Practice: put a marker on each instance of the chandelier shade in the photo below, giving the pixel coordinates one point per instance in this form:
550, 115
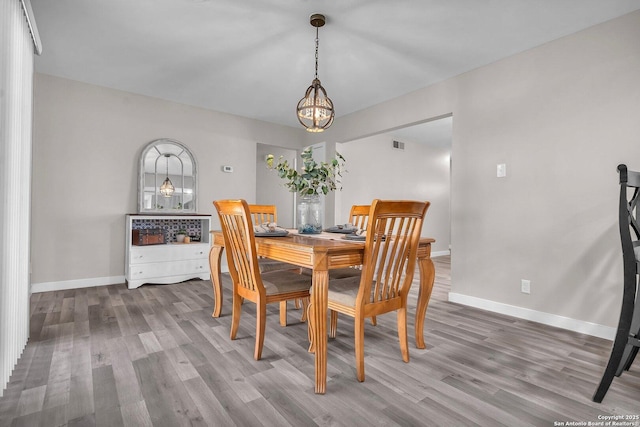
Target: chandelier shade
315, 110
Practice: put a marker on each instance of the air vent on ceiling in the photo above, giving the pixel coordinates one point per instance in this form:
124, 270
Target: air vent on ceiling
398, 145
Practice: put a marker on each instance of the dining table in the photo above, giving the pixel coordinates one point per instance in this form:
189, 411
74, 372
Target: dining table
321, 253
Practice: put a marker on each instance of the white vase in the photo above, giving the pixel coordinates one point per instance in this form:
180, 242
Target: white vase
309, 214
180, 238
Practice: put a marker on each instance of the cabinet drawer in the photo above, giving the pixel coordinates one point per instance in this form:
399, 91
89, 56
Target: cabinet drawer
162, 269
166, 253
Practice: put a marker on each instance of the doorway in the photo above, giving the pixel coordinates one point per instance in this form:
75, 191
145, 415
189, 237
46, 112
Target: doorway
413, 162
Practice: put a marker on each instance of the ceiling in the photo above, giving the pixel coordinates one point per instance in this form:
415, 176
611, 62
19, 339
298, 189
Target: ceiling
255, 58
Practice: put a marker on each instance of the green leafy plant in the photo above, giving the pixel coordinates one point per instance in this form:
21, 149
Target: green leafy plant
182, 231
314, 177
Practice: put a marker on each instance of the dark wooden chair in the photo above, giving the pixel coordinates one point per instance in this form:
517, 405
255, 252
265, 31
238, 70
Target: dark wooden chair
626, 343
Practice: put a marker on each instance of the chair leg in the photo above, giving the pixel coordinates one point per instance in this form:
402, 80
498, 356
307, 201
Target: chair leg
619, 345
261, 320
617, 350
297, 302
402, 334
374, 322
236, 310
333, 323
305, 305
359, 344
310, 314
631, 358
624, 360
632, 347
283, 313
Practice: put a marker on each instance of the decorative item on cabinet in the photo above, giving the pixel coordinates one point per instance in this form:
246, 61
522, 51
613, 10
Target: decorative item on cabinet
149, 236
181, 235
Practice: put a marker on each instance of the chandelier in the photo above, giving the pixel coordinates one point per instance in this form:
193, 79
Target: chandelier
167, 188
315, 110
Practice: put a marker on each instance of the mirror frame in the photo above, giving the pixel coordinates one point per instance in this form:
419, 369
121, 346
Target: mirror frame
141, 176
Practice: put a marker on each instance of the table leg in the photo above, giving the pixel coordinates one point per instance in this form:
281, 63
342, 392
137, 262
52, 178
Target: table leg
215, 254
318, 318
427, 277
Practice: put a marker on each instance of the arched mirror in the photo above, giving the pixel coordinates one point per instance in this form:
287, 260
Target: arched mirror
168, 178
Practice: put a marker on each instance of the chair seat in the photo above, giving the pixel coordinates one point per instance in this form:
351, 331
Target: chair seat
282, 282
344, 291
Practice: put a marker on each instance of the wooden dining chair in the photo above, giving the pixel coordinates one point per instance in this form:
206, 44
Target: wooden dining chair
248, 282
359, 216
262, 214
390, 252
265, 214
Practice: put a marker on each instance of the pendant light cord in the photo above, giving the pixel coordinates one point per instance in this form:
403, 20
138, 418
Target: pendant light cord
317, 42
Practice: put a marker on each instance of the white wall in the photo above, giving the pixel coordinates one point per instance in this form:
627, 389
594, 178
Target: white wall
419, 172
562, 117
87, 143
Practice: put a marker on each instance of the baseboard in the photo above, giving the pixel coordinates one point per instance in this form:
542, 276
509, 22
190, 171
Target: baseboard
562, 322
440, 253
76, 284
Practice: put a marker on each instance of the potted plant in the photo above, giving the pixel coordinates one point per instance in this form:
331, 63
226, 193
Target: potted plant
313, 180
180, 235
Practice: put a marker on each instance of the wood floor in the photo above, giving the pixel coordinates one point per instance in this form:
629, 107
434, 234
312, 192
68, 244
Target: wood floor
110, 356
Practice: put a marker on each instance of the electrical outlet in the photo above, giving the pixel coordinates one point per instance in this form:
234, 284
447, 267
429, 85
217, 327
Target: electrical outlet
525, 286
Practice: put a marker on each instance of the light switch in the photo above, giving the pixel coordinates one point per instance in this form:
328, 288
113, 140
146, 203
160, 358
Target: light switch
501, 170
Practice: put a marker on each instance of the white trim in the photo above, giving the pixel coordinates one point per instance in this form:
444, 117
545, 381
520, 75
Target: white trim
440, 253
76, 284
562, 322
33, 29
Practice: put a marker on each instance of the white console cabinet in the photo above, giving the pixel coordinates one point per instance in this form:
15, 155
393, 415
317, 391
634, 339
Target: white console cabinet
171, 262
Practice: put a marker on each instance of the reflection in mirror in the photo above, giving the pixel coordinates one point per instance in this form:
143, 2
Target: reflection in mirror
167, 181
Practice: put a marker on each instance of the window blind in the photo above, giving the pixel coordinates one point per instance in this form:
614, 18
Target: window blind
18, 43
